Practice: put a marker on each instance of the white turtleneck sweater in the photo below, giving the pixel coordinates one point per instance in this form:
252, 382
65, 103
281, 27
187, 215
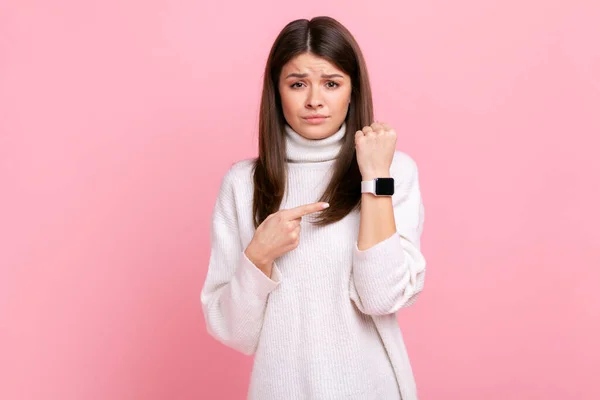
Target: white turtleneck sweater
323, 326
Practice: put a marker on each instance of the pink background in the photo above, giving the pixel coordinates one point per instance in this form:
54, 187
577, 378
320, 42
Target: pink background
118, 120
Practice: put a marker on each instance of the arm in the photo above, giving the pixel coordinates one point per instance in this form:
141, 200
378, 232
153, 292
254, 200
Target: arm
235, 292
388, 269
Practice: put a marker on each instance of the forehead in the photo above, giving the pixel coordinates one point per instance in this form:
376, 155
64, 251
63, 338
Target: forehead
308, 63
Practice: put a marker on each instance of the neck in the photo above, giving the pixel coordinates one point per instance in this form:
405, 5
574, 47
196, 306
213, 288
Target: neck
302, 150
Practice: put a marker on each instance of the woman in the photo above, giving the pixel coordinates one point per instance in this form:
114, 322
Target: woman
318, 308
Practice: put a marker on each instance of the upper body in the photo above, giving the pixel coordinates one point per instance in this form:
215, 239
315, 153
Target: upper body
313, 292
313, 324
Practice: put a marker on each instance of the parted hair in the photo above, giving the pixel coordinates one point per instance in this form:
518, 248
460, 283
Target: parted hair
327, 38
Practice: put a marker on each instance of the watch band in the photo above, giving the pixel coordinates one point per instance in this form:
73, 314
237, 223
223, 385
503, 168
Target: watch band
367, 186
378, 186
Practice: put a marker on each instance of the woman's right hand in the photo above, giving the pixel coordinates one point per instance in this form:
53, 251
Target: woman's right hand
278, 234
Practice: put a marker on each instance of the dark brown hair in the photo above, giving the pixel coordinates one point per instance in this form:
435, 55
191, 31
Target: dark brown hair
327, 38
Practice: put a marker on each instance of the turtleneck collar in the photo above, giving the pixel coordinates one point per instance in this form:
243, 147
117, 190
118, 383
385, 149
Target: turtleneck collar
302, 150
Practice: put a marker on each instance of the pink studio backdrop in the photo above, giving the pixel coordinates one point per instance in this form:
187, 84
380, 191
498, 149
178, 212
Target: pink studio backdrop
119, 119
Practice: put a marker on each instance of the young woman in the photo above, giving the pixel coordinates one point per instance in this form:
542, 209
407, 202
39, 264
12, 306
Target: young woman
311, 291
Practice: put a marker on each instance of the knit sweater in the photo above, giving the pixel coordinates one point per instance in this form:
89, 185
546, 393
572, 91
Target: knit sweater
323, 325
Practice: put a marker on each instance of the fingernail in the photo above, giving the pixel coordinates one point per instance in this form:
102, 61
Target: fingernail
325, 205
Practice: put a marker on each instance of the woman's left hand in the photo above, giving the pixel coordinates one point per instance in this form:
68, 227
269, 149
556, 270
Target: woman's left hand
375, 147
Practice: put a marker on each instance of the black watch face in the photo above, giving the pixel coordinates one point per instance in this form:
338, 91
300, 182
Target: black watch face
384, 186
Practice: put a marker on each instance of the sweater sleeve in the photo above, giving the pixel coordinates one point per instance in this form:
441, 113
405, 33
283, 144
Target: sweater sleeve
235, 292
391, 274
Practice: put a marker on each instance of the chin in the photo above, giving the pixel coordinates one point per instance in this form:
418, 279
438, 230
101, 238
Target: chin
313, 132
319, 131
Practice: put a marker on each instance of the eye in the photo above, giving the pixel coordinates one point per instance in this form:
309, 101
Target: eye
293, 85
332, 84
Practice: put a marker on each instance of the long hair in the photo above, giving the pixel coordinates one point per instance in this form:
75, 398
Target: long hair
327, 38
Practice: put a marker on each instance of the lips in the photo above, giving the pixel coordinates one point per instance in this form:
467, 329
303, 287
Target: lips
315, 120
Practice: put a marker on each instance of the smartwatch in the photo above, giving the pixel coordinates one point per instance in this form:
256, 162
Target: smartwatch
378, 186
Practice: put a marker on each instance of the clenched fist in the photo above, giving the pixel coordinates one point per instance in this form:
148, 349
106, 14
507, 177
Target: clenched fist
375, 147
278, 234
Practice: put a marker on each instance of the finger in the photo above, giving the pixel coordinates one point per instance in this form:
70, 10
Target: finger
367, 129
375, 124
377, 127
387, 127
300, 211
358, 135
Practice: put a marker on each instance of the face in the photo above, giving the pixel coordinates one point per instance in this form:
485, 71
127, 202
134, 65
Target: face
315, 95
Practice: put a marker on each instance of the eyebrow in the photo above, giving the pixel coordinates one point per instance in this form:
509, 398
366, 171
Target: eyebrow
297, 75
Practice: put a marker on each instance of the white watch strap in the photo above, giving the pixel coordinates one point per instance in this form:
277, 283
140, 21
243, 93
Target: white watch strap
367, 186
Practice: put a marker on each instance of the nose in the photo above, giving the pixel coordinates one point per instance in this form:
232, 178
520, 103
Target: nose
314, 100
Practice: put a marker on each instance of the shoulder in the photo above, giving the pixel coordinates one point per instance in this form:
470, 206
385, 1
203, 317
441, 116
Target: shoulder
404, 167
240, 171
236, 182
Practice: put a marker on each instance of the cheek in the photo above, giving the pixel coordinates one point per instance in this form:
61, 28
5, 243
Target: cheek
290, 101
340, 102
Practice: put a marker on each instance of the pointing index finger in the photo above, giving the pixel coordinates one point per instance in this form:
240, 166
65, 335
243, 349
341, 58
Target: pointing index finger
300, 211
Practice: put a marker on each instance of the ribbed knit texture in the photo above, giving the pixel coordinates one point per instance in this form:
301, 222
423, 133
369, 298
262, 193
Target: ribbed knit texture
323, 326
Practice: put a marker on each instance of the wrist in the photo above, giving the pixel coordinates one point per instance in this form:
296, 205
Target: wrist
370, 175
256, 258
